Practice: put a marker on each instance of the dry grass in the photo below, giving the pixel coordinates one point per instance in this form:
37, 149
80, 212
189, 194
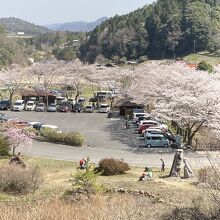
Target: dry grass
98, 207
47, 202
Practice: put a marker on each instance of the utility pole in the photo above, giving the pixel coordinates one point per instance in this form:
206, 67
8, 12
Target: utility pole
194, 46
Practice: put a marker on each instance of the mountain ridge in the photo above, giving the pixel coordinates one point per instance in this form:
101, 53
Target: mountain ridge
76, 26
12, 24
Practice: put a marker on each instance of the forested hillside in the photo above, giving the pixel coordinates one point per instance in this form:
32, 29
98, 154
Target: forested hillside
11, 50
165, 28
17, 25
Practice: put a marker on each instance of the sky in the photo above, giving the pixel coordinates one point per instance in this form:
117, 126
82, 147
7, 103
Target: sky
59, 11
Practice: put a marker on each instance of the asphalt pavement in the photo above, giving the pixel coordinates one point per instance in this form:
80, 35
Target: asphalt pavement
105, 137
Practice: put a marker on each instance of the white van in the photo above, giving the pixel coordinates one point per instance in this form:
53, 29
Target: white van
18, 105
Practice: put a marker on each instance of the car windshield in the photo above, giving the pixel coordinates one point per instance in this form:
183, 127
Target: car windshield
30, 103
4, 102
103, 106
52, 105
88, 106
41, 105
18, 103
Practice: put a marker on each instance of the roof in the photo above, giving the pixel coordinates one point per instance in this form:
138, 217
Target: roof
129, 104
33, 93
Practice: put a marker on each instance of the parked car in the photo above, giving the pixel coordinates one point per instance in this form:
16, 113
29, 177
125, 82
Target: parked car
145, 126
89, 109
35, 125
147, 122
104, 108
40, 107
65, 107
152, 130
18, 122
3, 117
30, 106
5, 104
18, 105
137, 115
81, 100
156, 140
50, 127
52, 108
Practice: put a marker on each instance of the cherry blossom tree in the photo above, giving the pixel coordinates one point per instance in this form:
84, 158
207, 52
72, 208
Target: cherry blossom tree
18, 138
186, 96
12, 79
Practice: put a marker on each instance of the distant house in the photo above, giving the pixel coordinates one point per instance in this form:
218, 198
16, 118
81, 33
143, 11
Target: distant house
20, 33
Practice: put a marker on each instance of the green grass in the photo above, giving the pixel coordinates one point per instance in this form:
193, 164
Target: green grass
211, 58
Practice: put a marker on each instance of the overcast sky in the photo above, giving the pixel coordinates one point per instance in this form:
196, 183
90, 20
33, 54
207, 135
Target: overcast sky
58, 11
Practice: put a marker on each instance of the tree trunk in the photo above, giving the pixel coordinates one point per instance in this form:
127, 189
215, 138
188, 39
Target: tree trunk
76, 97
13, 151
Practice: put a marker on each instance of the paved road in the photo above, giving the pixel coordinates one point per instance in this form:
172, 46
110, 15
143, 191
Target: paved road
104, 138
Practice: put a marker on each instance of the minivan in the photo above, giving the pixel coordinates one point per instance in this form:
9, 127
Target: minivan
18, 105
156, 140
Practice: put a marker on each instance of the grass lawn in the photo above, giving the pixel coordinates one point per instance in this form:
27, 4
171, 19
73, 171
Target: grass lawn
209, 57
57, 175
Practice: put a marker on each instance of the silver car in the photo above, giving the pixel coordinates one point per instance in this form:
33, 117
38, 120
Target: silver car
52, 108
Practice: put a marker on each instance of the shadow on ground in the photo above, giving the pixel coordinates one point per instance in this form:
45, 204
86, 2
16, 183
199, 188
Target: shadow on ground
130, 137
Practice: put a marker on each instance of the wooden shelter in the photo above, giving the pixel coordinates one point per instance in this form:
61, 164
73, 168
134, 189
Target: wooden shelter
127, 108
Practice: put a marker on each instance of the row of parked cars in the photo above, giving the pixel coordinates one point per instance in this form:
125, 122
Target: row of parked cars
65, 106
154, 132
25, 124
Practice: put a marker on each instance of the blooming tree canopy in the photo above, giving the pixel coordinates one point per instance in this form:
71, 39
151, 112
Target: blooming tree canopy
18, 138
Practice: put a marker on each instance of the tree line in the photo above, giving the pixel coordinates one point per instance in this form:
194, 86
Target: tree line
160, 30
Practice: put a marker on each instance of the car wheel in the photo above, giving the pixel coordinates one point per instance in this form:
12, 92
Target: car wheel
166, 145
148, 146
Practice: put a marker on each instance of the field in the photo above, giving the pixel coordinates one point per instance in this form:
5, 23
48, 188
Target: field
208, 57
164, 195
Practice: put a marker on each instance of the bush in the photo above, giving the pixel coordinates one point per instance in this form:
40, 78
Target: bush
14, 179
70, 138
143, 59
203, 65
4, 146
210, 176
111, 166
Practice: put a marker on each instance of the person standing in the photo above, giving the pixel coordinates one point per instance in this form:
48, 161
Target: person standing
162, 165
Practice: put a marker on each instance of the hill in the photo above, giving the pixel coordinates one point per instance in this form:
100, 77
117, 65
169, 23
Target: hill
78, 26
163, 29
17, 25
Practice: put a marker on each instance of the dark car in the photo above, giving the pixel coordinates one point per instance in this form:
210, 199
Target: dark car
3, 117
5, 104
65, 107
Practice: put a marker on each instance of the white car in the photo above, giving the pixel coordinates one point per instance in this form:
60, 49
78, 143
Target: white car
89, 109
104, 108
30, 106
137, 115
18, 105
50, 127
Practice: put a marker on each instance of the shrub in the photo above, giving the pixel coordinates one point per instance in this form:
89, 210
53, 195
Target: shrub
14, 179
203, 65
210, 176
143, 59
70, 138
111, 166
4, 146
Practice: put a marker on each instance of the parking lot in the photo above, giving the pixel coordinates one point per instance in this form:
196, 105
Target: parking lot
104, 138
